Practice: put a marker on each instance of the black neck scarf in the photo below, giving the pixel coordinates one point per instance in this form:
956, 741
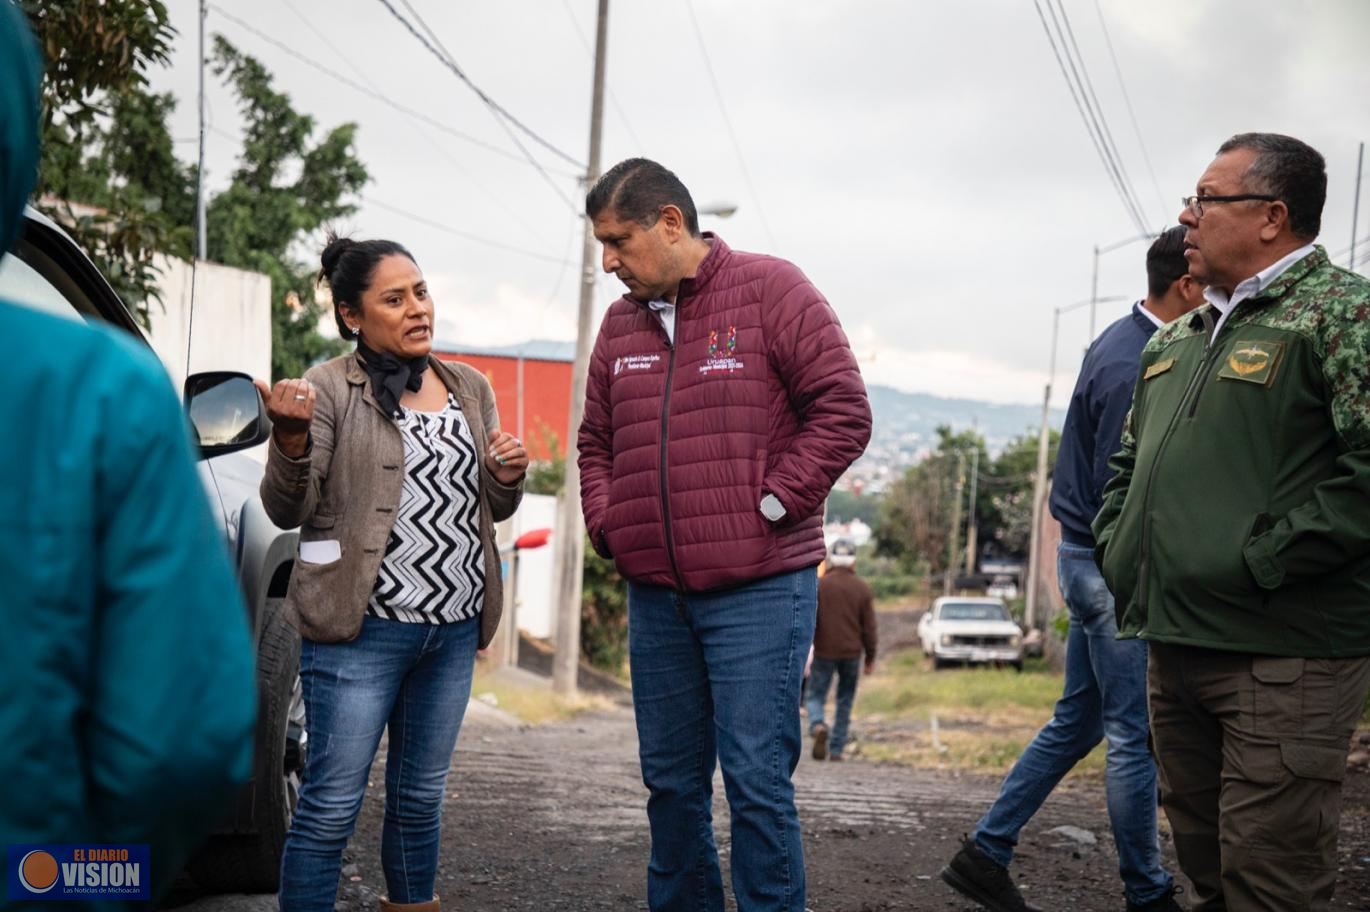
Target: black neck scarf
391, 375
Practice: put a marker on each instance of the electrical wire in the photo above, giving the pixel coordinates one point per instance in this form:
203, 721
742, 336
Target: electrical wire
732, 134
482, 186
613, 99
1102, 122
1080, 106
1132, 114
372, 93
502, 116
468, 235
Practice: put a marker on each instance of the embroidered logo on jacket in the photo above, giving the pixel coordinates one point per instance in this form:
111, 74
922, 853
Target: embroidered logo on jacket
1254, 362
721, 353
635, 362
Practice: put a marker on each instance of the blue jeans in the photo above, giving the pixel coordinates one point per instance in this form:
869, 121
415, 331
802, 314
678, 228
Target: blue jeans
716, 676
415, 679
848, 672
1105, 696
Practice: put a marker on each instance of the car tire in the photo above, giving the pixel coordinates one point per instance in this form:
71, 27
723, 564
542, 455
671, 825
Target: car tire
251, 863
938, 663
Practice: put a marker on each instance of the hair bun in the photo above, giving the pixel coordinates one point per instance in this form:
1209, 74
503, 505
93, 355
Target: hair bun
333, 251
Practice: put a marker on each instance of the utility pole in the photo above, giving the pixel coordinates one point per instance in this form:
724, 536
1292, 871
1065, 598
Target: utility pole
1355, 208
570, 567
954, 533
1039, 487
203, 245
973, 526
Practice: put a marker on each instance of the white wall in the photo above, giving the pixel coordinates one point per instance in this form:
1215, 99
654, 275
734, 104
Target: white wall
535, 596
232, 320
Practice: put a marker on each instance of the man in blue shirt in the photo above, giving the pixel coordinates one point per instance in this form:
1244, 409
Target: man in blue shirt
1105, 682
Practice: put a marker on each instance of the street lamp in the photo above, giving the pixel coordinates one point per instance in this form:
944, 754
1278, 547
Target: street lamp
1094, 282
1039, 483
719, 209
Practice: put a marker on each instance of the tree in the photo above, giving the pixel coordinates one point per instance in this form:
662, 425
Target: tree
98, 53
1009, 488
915, 515
254, 223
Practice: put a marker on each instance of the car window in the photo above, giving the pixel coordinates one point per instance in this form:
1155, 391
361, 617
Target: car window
22, 281
974, 611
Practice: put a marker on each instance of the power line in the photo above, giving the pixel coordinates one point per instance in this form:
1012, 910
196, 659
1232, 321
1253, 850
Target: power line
613, 99
504, 118
1109, 143
457, 163
1090, 125
431, 223
732, 134
468, 235
370, 92
1127, 100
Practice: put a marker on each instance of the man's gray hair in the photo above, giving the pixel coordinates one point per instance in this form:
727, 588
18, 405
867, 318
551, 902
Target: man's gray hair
1287, 168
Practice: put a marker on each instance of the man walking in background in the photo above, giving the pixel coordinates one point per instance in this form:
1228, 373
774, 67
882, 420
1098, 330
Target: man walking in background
722, 403
1237, 533
845, 630
1105, 681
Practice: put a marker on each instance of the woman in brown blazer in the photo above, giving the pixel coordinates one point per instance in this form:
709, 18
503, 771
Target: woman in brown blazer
393, 465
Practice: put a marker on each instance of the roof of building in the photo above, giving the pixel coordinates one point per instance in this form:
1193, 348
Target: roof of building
531, 350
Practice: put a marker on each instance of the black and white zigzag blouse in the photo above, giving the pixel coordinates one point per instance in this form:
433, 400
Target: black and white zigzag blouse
434, 571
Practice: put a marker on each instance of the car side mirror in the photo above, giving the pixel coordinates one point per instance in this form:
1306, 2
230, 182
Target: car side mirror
226, 412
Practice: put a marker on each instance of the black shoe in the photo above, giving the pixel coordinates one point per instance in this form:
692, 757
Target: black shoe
1166, 902
976, 876
820, 741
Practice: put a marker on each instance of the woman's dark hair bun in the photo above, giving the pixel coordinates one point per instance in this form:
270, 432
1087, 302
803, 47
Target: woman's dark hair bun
334, 248
347, 267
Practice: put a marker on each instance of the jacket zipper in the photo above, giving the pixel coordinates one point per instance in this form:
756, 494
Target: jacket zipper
1196, 384
665, 440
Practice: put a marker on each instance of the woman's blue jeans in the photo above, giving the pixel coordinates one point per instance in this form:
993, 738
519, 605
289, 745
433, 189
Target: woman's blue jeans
1104, 697
716, 679
414, 679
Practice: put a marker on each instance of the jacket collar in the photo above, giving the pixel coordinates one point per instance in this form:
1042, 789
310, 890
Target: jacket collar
708, 267
1276, 290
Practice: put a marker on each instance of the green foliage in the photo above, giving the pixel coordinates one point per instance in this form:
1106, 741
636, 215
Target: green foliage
603, 615
604, 595
105, 141
255, 221
547, 476
914, 516
845, 506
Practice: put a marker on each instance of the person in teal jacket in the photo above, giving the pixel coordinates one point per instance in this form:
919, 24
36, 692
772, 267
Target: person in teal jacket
125, 661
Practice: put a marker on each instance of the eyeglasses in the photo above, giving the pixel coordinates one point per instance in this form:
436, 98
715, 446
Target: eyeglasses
1195, 204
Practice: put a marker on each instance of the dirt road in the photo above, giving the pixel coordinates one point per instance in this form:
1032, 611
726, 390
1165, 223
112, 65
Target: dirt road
552, 819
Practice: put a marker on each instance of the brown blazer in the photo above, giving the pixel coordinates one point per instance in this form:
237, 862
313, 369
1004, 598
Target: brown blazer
346, 488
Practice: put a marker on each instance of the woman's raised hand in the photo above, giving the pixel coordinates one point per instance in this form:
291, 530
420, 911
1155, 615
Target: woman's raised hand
290, 405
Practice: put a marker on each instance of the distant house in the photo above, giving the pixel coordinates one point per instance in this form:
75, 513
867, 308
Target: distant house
532, 382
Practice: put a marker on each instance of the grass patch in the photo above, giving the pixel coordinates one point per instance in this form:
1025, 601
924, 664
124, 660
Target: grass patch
985, 716
533, 703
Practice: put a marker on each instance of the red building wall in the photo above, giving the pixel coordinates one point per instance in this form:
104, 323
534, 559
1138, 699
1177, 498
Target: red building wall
546, 397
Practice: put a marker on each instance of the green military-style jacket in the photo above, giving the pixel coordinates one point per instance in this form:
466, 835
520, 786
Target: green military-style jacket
1239, 515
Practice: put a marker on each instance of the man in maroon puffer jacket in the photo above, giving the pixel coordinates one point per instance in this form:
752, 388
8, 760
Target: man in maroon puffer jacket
723, 401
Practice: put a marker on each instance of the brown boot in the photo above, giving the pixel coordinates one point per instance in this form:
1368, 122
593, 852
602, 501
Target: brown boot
430, 906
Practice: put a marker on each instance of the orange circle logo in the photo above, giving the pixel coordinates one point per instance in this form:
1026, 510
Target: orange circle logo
38, 871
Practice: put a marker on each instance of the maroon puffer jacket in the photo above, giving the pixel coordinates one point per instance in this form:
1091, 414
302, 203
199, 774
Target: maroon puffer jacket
760, 394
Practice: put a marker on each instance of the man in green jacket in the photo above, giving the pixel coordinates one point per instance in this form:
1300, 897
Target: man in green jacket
1236, 533
125, 659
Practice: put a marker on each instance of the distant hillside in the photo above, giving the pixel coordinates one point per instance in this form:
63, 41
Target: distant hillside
906, 427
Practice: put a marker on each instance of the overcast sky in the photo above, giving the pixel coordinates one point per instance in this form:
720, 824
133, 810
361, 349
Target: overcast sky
924, 163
